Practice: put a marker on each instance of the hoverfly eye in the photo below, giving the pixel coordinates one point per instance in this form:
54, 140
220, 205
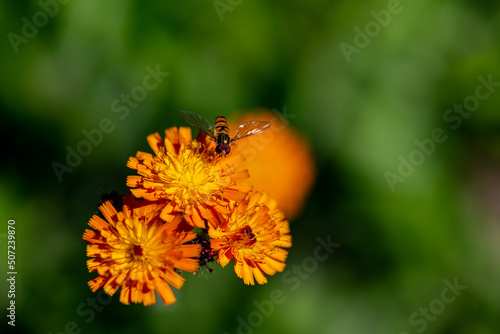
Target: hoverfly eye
223, 148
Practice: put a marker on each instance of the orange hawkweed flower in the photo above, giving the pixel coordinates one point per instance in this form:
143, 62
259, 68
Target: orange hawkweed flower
137, 251
189, 176
279, 161
254, 236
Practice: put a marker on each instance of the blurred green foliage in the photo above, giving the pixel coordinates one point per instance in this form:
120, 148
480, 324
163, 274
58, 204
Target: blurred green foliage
360, 113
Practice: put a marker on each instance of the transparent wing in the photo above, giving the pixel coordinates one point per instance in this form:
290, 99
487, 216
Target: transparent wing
250, 128
197, 121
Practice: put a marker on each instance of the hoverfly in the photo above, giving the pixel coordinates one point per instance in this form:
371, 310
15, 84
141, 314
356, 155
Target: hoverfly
221, 133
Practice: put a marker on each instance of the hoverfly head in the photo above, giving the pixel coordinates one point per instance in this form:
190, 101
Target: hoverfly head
223, 148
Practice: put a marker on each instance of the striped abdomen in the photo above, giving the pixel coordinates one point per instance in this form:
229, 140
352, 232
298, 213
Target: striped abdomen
221, 125
223, 141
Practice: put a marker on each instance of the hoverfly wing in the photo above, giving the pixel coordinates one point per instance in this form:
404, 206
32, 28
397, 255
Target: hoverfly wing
250, 128
197, 121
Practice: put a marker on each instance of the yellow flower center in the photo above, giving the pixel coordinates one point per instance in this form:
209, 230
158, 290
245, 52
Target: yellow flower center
188, 177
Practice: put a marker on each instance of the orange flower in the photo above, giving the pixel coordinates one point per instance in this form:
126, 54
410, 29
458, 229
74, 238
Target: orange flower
254, 235
279, 161
135, 250
189, 176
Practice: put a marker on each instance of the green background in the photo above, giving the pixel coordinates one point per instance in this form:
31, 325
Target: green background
361, 113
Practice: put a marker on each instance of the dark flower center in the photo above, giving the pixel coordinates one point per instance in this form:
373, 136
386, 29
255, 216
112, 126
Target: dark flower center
247, 235
137, 251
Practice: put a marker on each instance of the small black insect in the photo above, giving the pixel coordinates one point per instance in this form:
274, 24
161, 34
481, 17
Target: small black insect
207, 255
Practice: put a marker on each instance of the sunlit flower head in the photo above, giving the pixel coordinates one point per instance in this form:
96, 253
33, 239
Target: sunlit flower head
189, 176
135, 250
279, 160
254, 236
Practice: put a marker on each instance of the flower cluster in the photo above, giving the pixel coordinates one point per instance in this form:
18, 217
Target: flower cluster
189, 205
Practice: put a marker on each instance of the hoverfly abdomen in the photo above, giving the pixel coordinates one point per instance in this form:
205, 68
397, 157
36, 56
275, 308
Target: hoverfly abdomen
223, 140
221, 125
